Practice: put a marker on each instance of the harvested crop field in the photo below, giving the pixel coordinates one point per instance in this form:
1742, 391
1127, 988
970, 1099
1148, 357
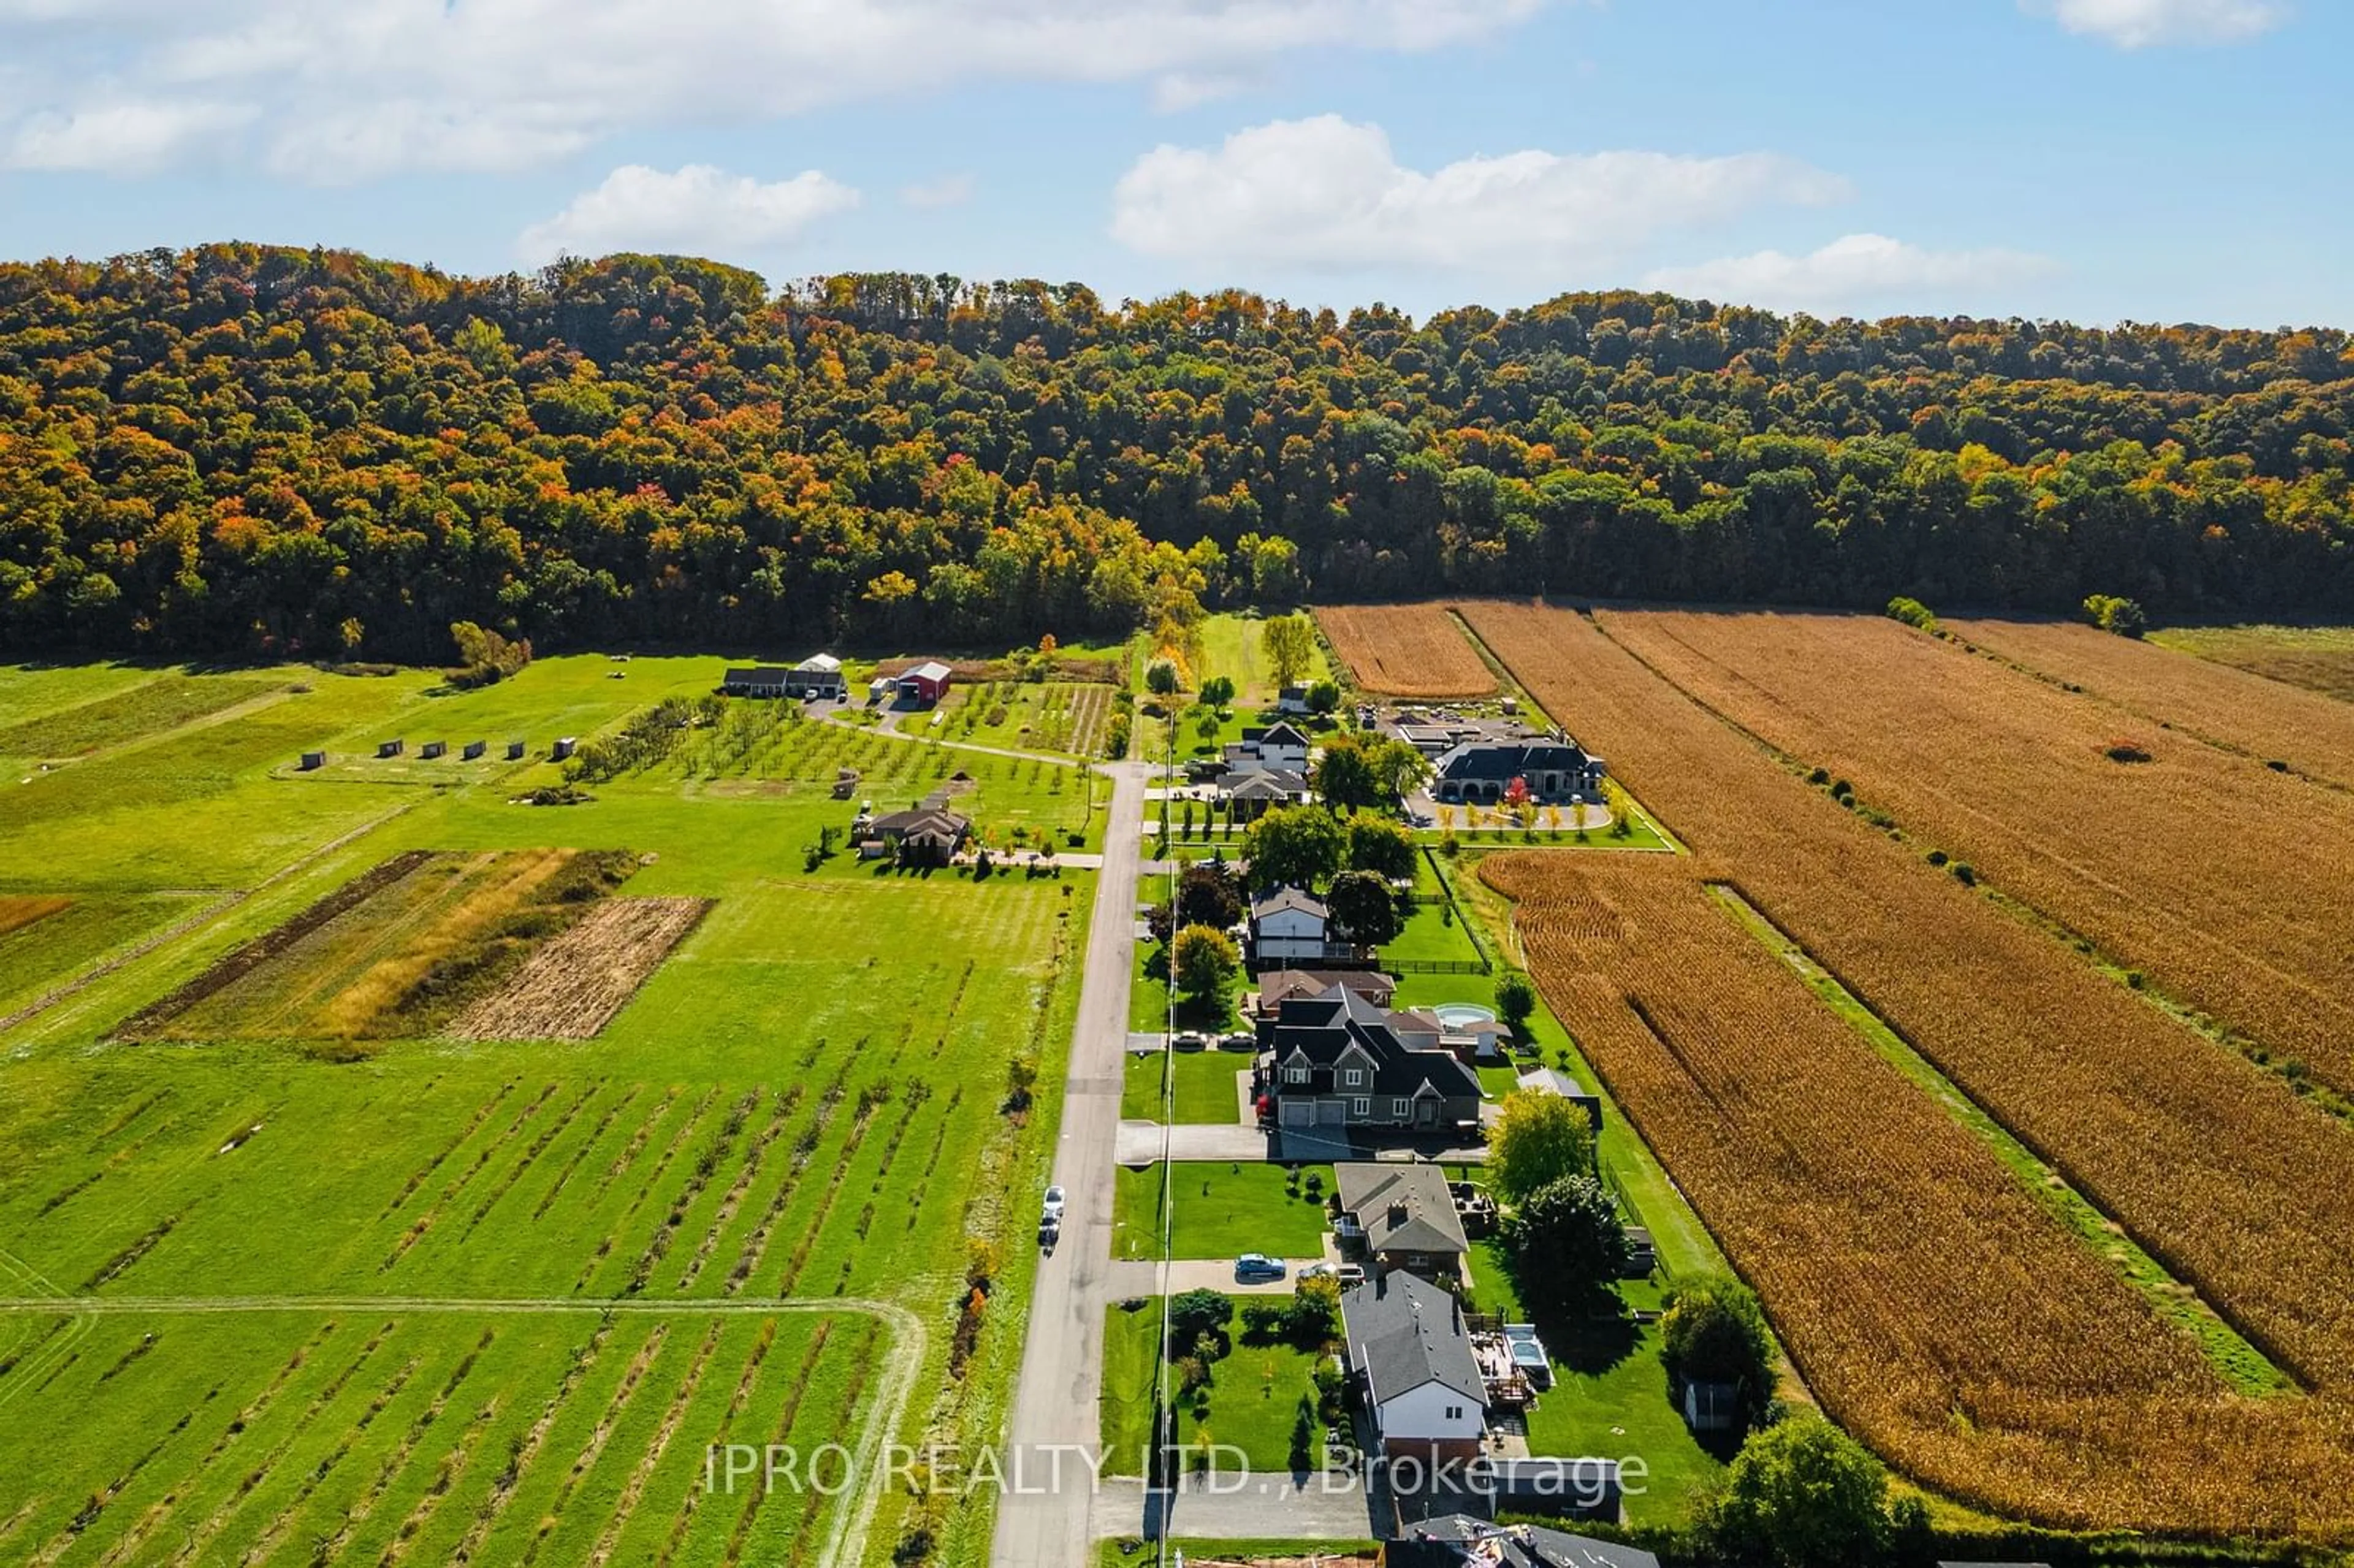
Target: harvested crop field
2263, 718
2222, 879
573, 986
1931, 1303
1400, 650
2212, 1164
393, 954
20, 910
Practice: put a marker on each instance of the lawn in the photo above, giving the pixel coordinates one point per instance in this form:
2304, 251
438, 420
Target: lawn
1433, 935
1148, 996
1610, 1397
1222, 1209
1255, 1395
1206, 1084
1230, 647
807, 1101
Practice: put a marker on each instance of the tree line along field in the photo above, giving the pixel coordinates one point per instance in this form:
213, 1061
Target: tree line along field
1928, 1300
2221, 877
1394, 652
2210, 1163
771, 1159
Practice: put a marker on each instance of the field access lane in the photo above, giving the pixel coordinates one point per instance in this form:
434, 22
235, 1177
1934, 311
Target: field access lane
1055, 1406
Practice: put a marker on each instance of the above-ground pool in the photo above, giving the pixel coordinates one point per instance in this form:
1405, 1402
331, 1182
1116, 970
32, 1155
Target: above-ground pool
1463, 1014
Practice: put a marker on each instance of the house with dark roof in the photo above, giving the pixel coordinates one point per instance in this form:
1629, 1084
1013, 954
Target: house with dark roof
755, 681
1410, 1356
1480, 772
928, 834
1334, 1062
1458, 1540
1252, 795
815, 678
1399, 1217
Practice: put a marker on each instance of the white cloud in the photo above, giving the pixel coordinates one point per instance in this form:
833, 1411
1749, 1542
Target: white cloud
949, 190
697, 209
2140, 24
123, 138
1328, 193
1857, 273
1181, 90
344, 91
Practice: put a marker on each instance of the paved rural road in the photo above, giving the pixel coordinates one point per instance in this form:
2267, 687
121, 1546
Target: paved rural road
1055, 1406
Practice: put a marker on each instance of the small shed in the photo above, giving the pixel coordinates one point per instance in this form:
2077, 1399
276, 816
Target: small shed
391, 747
434, 748
1712, 1407
926, 683
565, 746
314, 760
515, 751
475, 749
845, 783
1548, 1081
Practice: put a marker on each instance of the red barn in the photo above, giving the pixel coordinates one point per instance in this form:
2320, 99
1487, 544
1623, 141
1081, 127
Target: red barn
925, 684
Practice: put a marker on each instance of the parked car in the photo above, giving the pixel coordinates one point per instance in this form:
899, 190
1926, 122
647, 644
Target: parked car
1191, 1041
1258, 1266
1320, 1271
1051, 1215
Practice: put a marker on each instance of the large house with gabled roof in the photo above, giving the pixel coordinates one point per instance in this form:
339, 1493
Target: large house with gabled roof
1336, 1063
1554, 771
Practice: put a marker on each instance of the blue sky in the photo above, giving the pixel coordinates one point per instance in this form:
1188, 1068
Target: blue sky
2099, 160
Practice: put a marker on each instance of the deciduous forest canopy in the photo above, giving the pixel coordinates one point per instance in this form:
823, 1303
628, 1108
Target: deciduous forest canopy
238, 449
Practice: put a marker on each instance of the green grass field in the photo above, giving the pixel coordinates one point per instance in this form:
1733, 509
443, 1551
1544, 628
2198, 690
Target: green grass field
2319, 658
1254, 1396
1221, 1210
1204, 1085
1610, 1397
406, 1299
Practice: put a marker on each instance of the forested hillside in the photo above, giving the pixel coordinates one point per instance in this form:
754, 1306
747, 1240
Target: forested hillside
238, 449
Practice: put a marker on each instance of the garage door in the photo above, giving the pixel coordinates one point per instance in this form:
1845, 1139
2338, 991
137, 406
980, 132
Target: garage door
1296, 1113
1331, 1113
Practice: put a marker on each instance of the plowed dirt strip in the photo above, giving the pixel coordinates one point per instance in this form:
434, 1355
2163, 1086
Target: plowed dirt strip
2231, 884
2267, 719
1400, 650
2221, 1173
1934, 1308
571, 988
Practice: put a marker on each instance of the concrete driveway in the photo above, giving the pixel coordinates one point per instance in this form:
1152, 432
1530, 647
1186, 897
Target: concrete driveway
1322, 1505
1140, 1143
1180, 1275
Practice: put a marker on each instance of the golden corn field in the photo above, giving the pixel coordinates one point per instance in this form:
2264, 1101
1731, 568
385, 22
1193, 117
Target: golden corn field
2229, 885
2213, 1164
1398, 651
2241, 1189
2265, 719
1932, 1305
